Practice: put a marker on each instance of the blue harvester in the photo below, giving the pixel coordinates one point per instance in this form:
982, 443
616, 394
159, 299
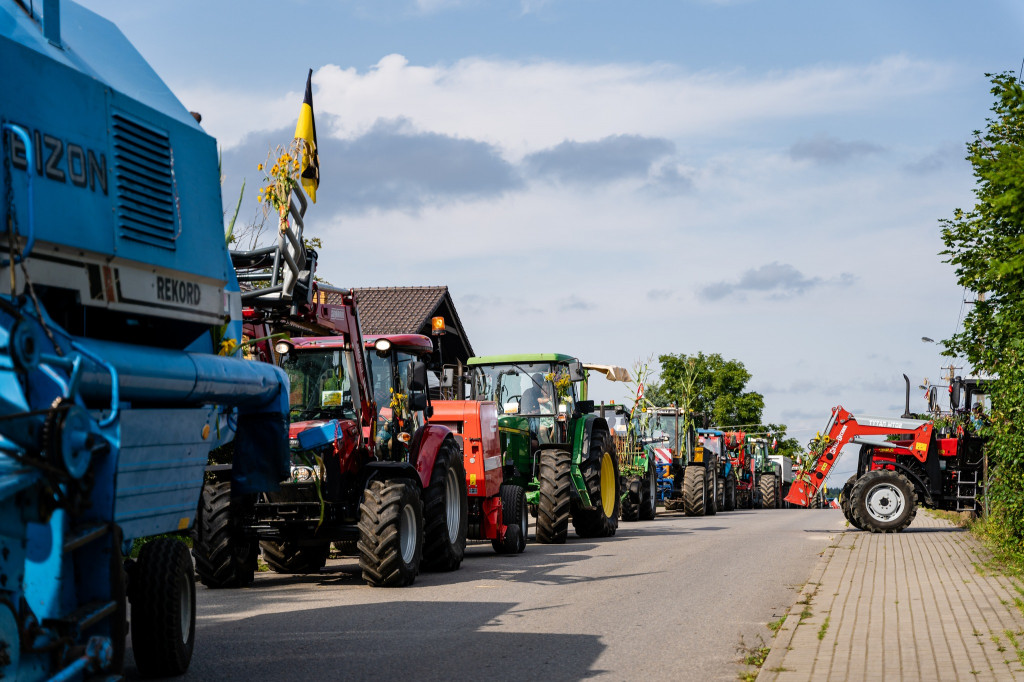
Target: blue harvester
120, 316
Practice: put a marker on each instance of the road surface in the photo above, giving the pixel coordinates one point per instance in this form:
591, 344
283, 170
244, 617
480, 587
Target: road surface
669, 599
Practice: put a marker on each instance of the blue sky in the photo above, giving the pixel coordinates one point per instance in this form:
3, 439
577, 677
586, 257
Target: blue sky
758, 178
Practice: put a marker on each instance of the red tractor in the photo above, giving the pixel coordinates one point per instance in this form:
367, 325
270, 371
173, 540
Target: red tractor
366, 466
497, 510
903, 462
743, 464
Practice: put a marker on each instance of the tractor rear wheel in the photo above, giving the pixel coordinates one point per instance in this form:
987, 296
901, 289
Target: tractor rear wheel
289, 557
515, 520
600, 471
162, 591
631, 507
346, 547
884, 501
445, 511
649, 505
694, 491
768, 490
390, 533
224, 557
554, 481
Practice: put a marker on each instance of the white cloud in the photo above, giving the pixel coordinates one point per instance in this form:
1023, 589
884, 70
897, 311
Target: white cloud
527, 106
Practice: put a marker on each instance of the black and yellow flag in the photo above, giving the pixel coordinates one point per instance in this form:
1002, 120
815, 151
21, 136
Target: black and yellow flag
306, 130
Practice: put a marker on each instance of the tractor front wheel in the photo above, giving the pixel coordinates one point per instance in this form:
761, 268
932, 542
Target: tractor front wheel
390, 533
845, 502
884, 501
694, 491
162, 591
224, 557
768, 490
730, 494
288, 557
445, 511
630, 506
553, 496
600, 471
515, 520
649, 505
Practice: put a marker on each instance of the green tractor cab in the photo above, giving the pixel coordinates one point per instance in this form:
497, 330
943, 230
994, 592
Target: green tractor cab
552, 443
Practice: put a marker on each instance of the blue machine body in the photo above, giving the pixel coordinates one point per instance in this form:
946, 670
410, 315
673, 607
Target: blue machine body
118, 364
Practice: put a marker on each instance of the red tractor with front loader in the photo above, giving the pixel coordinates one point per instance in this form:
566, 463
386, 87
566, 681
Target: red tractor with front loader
366, 467
903, 462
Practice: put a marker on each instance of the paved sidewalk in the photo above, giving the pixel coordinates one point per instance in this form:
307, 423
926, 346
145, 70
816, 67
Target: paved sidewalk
915, 605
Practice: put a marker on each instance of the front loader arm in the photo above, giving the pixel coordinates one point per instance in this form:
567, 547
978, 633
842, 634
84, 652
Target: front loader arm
842, 429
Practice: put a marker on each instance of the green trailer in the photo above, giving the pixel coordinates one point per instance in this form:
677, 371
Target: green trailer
553, 444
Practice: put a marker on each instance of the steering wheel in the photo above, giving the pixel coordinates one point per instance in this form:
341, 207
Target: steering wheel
517, 398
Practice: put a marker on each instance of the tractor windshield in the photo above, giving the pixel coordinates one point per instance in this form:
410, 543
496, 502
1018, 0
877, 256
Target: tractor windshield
523, 388
321, 386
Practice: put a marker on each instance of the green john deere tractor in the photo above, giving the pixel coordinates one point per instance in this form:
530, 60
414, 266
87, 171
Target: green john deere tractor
552, 443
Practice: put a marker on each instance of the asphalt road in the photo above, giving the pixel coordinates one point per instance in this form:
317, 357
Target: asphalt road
669, 599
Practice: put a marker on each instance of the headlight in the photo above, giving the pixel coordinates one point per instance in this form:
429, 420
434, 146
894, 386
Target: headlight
302, 474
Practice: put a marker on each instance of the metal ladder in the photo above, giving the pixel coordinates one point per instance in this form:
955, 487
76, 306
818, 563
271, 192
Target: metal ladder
967, 491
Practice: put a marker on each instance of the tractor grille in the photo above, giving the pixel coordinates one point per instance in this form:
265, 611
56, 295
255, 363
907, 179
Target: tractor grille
145, 184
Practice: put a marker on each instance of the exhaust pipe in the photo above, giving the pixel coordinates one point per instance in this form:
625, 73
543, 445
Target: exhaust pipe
906, 409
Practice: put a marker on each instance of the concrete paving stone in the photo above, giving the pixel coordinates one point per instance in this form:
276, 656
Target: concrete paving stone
906, 606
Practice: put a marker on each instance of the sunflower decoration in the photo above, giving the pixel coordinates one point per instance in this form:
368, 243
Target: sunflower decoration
281, 174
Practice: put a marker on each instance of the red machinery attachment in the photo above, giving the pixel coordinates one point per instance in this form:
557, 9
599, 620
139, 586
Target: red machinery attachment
843, 428
497, 511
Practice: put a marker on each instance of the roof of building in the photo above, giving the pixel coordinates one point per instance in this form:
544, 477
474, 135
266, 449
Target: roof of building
406, 310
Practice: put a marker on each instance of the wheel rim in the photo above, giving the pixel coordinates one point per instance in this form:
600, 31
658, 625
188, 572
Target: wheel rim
607, 483
407, 534
185, 607
452, 499
885, 502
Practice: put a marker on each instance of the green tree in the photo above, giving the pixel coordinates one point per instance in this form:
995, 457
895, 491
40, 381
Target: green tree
709, 385
986, 247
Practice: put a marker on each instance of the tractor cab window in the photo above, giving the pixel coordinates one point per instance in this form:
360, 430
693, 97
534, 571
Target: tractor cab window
321, 386
519, 388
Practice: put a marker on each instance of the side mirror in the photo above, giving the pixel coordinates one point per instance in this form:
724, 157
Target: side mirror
447, 377
417, 377
585, 406
575, 371
418, 402
955, 389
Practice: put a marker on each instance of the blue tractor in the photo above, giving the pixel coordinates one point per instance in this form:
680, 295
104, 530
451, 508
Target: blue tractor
120, 318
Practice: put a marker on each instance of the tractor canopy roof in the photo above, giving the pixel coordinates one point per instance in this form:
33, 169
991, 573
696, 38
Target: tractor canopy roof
519, 358
710, 432
410, 343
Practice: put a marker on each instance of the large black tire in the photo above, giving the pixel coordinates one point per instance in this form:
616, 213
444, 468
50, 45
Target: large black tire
844, 502
630, 507
768, 489
346, 547
515, 519
554, 482
224, 557
445, 511
730, 494
162, 591
600, 471
649, 505
884, 501
390, 533
714, 487
694, 491
289, 557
